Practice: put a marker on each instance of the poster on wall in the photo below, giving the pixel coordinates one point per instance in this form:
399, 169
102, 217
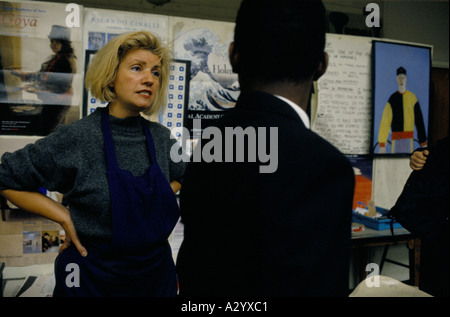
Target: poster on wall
90, 103
40, 66
362, 167
178, 96
401, 97
28, 239
100, 26
213, 86
342, 111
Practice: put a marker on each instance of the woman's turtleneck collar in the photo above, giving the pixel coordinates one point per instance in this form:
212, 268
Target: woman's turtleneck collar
129, 124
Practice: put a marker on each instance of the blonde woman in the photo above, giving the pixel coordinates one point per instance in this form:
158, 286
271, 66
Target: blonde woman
115, 172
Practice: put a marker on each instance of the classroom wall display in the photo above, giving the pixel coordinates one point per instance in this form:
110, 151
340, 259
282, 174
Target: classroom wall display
27, 239
90, 103
363, 169
177, 99
389, 177
401, 97
343, 108
40, 68
213, 86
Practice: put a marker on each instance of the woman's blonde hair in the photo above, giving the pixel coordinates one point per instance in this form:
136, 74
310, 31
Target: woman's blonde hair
103, 68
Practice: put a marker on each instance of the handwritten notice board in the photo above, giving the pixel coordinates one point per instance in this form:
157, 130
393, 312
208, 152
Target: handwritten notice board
344, 109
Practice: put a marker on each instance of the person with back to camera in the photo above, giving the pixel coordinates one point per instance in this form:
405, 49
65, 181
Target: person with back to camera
287, 231
433, 163
115, 172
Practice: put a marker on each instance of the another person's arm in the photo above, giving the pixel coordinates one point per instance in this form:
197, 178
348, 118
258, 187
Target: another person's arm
418, 159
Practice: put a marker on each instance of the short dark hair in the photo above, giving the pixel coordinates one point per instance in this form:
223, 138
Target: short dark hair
280, 40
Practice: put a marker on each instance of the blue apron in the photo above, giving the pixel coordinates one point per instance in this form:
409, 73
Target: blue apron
138, 261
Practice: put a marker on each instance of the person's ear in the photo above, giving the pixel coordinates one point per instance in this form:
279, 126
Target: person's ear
234, 57
322, 68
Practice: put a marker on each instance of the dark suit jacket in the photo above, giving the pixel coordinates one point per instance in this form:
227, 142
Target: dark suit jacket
285, 233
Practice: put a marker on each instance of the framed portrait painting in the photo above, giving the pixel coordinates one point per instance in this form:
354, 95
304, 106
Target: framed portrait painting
401, 97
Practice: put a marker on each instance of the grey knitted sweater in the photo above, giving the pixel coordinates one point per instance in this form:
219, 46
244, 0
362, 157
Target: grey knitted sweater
72, 161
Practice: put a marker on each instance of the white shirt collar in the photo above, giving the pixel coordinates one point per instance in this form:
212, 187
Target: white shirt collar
302, 114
